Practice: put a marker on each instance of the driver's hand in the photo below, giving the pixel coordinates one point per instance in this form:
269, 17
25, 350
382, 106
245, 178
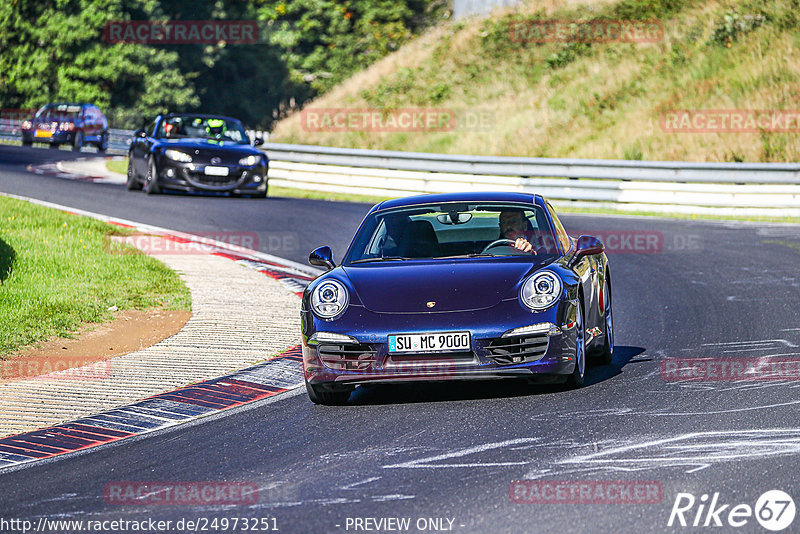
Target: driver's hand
524, 245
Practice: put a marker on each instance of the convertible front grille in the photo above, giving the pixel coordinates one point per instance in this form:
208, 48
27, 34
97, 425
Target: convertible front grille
518, 349
205, 179
347, 357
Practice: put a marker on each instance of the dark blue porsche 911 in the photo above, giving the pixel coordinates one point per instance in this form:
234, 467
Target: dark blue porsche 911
456, 286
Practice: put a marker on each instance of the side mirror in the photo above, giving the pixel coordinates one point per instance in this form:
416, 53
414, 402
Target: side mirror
322, 257
587, 246
140, 133
258, 141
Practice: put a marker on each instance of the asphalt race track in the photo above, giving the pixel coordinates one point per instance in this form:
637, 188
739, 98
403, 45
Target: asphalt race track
445, 456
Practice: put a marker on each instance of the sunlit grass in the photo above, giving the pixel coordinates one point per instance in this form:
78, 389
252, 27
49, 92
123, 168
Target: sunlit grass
597, 101
58, 271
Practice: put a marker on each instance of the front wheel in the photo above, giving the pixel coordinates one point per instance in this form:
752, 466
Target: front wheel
576, 379
133, 181
102, 146
151, 186
77, 142
606, 353
328, 397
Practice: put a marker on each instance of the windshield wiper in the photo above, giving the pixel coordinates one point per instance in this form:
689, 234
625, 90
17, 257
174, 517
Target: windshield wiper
382, 258
458, 256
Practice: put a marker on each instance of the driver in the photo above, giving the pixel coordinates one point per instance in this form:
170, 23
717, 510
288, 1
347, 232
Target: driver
215, 128
517, 228
170, 129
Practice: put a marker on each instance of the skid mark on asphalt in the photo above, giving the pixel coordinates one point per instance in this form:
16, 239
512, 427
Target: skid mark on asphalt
260, 381
689, 452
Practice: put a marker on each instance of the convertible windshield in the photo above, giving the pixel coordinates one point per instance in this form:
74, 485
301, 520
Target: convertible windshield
58, 112
453, 231
218, 129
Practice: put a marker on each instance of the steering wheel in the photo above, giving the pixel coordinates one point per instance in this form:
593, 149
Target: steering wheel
498, 243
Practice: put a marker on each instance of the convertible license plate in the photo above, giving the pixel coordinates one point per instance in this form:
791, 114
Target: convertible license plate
431, 342
43, 133
217, 171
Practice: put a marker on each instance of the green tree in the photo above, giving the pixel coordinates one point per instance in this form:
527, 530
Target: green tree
54, 50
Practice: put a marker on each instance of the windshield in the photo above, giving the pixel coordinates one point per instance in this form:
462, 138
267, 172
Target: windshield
218, 129
59, 112
452, 231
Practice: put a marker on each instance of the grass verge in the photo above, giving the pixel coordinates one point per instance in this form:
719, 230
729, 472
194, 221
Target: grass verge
120, 166
59, 271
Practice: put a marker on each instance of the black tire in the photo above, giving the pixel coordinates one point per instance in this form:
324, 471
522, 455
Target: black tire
576, 379
151, 186
606, 353
77, 141
102, 146
27, 143
133, 183
327, 397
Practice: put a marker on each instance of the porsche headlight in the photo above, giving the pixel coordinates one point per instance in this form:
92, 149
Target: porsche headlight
329, 299
541, 290
249, 161
177, 155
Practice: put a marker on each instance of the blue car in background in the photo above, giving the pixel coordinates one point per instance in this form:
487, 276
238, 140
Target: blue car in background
456, 286
75, 124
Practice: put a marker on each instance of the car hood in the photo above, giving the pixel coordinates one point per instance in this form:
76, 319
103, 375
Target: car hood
454, 286
192, 143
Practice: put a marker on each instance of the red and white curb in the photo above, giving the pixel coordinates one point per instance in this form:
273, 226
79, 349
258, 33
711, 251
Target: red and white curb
267, 379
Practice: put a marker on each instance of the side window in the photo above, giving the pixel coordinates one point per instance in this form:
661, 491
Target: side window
378, 239
152, 129
561, 234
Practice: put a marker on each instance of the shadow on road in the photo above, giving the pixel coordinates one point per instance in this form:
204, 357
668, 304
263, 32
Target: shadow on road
485, 389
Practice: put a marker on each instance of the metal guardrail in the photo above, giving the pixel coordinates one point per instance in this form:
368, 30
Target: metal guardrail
660, 186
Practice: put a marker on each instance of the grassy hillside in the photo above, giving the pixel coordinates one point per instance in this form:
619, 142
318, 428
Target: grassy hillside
596, 100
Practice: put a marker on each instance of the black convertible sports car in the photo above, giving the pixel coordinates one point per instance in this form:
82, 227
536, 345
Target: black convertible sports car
194, 152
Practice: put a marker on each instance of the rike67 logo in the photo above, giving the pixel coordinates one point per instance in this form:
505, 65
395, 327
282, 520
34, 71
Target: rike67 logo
774, 510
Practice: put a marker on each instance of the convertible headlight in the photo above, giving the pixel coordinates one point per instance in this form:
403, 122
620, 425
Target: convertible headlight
329, 299
177, 155
541, 290
249, 161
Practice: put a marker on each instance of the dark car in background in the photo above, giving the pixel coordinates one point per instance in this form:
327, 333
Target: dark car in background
67, 124
196, 152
